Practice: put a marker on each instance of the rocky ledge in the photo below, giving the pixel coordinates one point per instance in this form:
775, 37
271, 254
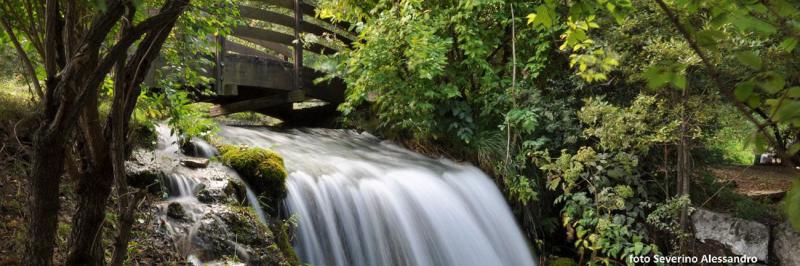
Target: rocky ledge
215, 224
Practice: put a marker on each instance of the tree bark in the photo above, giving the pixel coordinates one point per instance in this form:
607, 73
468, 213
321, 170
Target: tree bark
85, 242
48, 163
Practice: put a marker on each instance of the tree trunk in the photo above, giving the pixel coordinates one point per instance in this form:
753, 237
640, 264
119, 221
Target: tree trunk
48, 164
684, 172
86, 247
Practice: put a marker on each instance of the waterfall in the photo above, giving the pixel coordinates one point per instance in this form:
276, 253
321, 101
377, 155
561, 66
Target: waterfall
362, 201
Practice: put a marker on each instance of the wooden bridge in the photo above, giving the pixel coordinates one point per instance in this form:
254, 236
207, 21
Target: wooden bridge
259, 66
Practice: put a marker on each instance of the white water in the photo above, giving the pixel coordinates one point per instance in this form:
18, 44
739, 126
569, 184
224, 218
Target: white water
361, 201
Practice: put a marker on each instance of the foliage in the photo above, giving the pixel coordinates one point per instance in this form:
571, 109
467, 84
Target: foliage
604, 201
666, 218
724, 26
729, 144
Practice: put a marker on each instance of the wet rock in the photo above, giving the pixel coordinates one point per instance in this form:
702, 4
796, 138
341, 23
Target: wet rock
786, 244
198, 148
194, 162
224, 231
145, 171
175, 210
220, 185
737, 236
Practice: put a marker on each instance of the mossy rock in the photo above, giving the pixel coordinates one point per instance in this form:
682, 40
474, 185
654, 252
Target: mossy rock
262, 169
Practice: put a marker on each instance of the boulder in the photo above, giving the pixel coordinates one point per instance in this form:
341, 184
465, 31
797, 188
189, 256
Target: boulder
263, 170
737, 236
145, 170
786, 244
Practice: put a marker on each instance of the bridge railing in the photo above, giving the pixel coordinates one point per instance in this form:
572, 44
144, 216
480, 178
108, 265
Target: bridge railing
281, 46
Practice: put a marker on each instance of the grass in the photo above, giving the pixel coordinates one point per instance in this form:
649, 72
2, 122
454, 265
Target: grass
15, 101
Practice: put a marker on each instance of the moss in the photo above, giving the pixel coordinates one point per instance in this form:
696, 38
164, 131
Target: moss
561, 261
261, 169
284, 243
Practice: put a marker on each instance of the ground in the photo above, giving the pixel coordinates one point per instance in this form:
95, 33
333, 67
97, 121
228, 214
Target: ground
751, 192
755, 179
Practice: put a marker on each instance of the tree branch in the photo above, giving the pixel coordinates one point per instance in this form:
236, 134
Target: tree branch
24, 57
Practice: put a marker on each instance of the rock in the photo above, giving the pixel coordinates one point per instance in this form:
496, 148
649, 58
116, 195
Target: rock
770, 195
262, 169
218, 184
194, 162
224, 231
175, 210
198, 148
786, 244
738, 236
144, 171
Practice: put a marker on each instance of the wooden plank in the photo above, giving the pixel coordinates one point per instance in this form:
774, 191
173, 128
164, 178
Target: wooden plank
289, 4
274, 36
298, 47
277, 47
307, 10
241, 70
287, 21
244, 50
219, 58
248, 105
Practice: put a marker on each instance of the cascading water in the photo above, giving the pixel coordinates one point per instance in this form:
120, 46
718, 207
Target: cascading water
182, 184
361, 201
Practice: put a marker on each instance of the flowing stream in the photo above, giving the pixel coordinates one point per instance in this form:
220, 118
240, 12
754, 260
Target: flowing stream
363, 201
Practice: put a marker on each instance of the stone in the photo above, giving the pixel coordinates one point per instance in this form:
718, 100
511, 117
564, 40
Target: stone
144, 171
225, 231
194, 162
175, 210
738, 236
786, 244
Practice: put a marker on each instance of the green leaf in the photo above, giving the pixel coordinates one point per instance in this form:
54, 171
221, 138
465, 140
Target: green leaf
788, 44
744, 90
101, 4
656, 77
754, 101
794, 149
749, 59
791, 204
794, 92
773, 83
679, 81
637, 247
709, 37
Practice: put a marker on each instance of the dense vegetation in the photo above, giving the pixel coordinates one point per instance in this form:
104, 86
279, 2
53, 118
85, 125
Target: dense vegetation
596, 117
